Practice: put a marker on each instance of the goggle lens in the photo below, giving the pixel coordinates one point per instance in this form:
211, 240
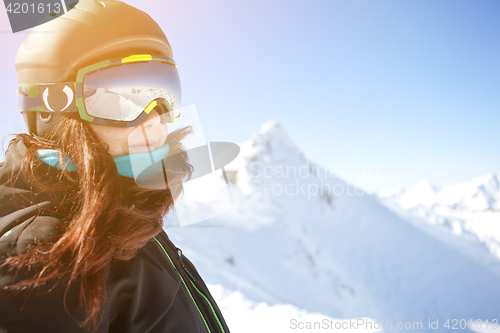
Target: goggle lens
123, 92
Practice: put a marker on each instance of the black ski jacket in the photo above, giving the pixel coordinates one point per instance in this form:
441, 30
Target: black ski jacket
159, 290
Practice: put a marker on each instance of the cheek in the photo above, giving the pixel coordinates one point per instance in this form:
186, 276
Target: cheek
115, 137
163, 131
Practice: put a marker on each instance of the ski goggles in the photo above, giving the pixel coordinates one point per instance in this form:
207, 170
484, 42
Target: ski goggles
120, 92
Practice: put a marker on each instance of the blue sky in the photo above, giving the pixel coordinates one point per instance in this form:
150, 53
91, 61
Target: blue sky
406, 89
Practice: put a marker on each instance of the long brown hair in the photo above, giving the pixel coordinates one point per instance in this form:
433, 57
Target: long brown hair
108, 217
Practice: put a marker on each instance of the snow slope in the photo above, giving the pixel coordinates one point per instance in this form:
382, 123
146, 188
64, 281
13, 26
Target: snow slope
246, 316
463, 213
306, 238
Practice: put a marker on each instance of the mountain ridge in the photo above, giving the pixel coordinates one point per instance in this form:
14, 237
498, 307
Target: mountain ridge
311, 240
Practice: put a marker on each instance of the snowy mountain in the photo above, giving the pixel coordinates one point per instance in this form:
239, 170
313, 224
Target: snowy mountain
477, 195
463, 212
305, 239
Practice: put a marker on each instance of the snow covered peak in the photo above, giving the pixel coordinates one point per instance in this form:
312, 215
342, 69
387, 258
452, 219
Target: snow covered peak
470, 210
270, 147
273, 136
270, 126
489, 181
477, 194
421, 193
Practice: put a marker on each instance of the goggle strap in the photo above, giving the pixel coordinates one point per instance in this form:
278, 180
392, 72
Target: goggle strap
47, 97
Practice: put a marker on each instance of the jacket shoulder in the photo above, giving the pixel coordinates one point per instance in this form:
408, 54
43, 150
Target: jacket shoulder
142, 291
25, 229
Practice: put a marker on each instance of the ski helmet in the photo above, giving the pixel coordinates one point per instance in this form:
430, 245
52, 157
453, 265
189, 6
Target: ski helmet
92, 31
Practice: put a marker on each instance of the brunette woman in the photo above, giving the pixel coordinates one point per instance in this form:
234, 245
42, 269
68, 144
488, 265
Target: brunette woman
81, 241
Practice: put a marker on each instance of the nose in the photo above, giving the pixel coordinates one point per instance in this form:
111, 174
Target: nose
152, 128
151, 120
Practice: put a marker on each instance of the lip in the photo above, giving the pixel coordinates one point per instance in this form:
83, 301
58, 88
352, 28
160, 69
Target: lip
144, 143
143, 147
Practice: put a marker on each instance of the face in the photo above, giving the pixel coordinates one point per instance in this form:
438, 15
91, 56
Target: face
148, 136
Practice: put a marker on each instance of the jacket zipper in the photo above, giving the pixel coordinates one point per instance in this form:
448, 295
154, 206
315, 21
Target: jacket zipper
179, 252
185, 285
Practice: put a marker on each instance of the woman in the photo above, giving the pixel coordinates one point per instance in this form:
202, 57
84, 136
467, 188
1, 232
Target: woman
84, 194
